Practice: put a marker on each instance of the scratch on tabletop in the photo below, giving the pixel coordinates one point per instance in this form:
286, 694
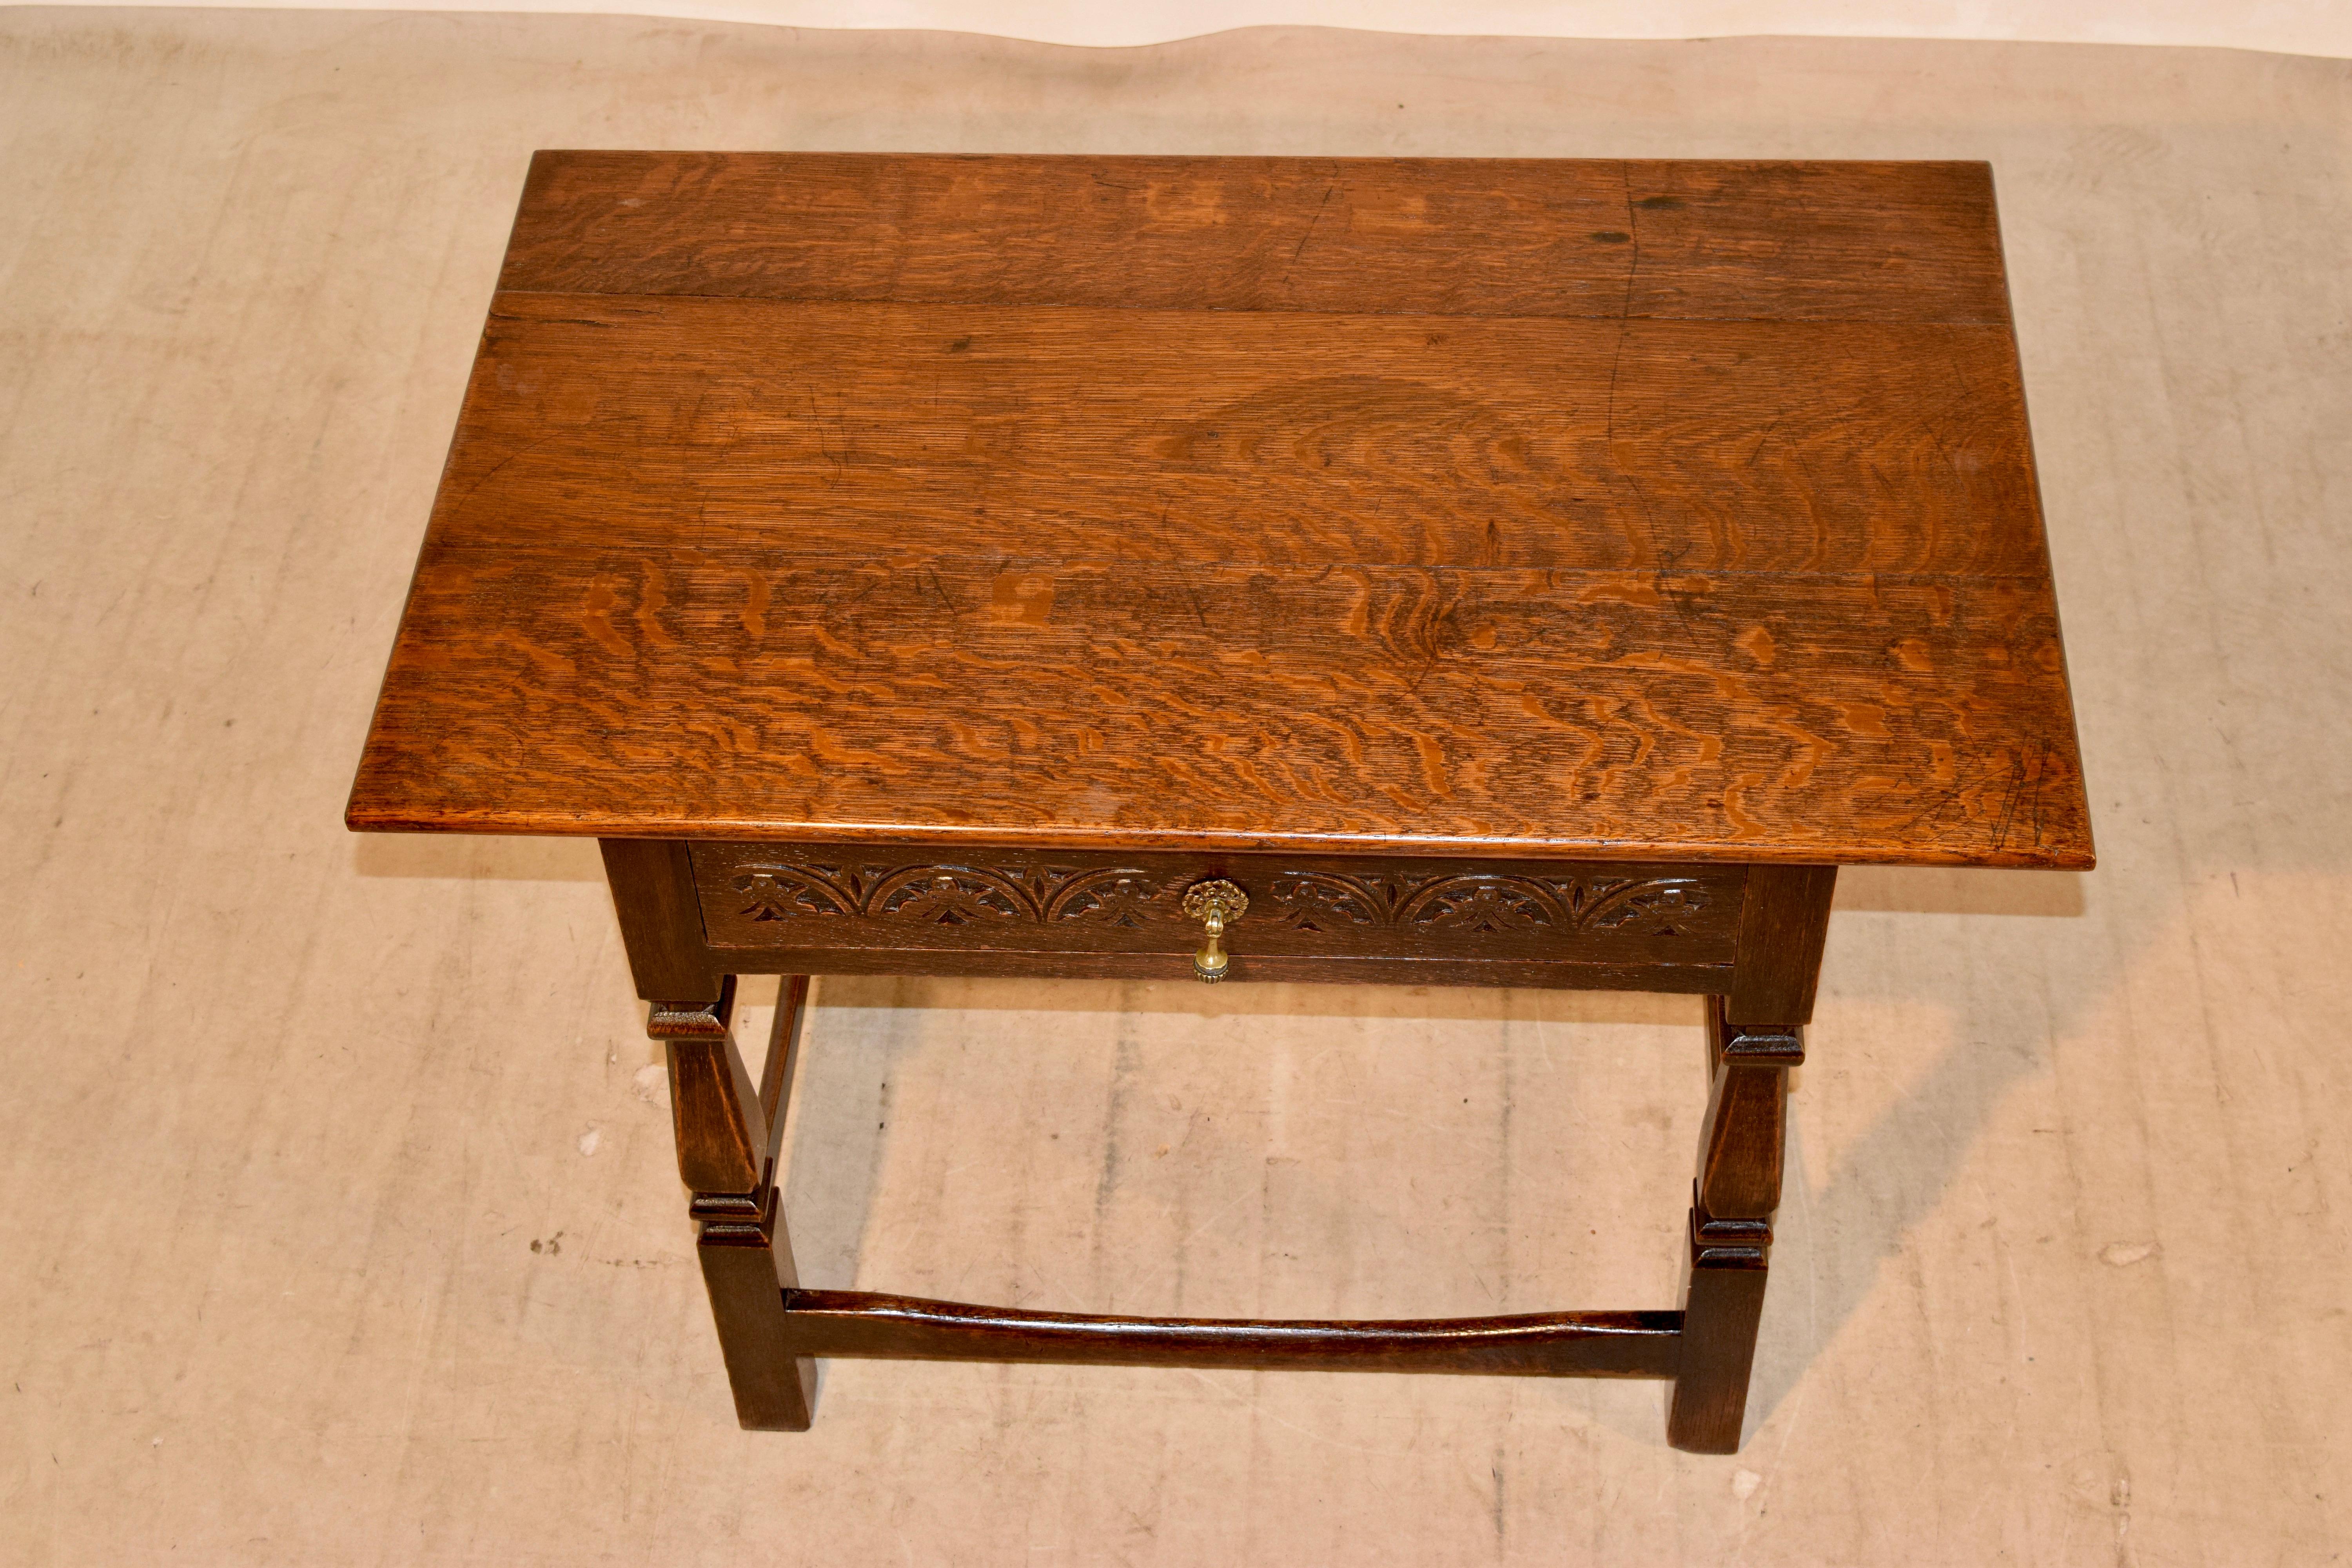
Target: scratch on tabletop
500, 464
932, 577
1328, 192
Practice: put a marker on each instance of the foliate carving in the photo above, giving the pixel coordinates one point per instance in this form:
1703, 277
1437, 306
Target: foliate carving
1651, 909
780, 892
948, 896
953, 895
1109, 897
1324, 901
1467, 903
1483, 903
1480, 902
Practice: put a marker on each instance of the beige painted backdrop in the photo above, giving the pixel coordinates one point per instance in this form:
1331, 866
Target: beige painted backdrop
335, 1191
2294, 26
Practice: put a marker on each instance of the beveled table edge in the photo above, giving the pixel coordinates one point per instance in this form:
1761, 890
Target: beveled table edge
2063, 857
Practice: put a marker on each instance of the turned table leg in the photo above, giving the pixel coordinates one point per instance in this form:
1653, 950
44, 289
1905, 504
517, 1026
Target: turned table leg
727, 1135
1739, 1187
1754, 1037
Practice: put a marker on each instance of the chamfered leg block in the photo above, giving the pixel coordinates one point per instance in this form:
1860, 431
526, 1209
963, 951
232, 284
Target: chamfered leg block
727, 1133
747, 1265
1720, 1312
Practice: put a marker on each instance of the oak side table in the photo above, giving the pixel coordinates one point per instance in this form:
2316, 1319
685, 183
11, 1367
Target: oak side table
1439, 572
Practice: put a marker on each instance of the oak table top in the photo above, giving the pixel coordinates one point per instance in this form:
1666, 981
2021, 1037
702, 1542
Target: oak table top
1508, 508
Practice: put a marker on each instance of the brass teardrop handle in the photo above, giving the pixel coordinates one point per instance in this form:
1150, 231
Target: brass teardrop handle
1214, 904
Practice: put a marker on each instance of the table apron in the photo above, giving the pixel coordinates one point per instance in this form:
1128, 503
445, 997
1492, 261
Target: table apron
864, 908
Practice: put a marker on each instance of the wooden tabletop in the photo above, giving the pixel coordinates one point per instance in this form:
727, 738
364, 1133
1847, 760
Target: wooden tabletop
1531, 508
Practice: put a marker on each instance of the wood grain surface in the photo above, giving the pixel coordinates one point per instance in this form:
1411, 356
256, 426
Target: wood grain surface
910, 435
1023, 501
1555, 1344
1502, 236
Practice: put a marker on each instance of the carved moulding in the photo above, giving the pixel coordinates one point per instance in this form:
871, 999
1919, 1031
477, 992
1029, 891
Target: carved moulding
949, 895
1486, 901
1468, 903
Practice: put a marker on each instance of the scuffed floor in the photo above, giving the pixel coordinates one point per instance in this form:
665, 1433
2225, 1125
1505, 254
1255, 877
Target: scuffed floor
338, 1208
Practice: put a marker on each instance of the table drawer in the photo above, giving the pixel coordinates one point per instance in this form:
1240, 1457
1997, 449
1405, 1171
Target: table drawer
841, 899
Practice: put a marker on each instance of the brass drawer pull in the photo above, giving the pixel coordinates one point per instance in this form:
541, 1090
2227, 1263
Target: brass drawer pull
1213, 904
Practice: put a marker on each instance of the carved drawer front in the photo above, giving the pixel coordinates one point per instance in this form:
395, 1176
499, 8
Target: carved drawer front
769, 897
